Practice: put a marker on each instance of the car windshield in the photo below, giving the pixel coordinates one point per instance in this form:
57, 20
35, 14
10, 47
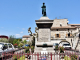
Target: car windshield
1, 45
66, 44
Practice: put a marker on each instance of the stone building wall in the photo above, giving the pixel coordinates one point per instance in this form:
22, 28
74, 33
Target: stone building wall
56, 22
25, 39
63, 32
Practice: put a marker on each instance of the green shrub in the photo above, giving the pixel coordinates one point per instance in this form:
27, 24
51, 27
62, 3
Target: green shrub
67, 58
26, 49
73, 57
16, 57
56, 47
22, 57
18, 46
61, 49
32, 49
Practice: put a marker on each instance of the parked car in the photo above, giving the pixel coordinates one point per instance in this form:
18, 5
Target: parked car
6, 48
54, 45
26, 45
67, 46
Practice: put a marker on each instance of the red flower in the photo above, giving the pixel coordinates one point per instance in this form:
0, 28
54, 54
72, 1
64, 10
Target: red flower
15, 44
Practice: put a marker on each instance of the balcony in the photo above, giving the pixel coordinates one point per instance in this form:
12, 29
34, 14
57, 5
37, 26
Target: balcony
68, 36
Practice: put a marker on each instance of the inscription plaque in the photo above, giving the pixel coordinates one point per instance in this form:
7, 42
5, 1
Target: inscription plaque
44, 35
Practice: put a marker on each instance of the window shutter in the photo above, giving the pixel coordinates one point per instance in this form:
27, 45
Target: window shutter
66, 35
70, 34
55, 35
59, 35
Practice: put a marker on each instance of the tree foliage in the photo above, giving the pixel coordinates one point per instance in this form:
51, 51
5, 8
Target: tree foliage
11, 39
4, 40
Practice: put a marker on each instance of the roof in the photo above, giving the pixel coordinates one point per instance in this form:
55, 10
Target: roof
3, 36
74, 24
63, 27
26, 36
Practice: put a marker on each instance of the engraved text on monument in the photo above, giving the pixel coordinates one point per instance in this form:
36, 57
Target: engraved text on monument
44, 35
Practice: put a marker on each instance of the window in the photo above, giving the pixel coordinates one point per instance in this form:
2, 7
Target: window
1, 45
5, 46
79, 36
68, 34
57, 35
68, 30
57, 29
10, 46
66, 44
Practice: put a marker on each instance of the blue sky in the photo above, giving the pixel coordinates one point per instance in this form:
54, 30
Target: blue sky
16, 16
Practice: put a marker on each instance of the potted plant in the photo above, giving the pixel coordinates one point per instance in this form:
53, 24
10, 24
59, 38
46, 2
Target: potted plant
56, 49
61, 49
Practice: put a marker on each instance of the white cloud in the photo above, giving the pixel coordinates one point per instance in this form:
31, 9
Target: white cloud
18, 35
23, 28
21, 32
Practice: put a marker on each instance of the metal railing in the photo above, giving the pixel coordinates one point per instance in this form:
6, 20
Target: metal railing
38, 56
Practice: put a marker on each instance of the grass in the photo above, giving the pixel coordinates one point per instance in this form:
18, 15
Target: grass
22, 58
67, 58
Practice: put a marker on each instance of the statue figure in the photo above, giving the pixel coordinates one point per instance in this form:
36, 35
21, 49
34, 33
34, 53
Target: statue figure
43, 9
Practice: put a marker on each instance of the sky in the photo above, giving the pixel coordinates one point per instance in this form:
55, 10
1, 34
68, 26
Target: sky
16, 16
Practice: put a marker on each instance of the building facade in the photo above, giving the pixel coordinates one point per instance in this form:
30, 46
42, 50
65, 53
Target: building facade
61, 31
26, 37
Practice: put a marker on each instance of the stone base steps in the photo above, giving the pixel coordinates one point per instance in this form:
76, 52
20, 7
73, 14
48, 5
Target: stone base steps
44, 48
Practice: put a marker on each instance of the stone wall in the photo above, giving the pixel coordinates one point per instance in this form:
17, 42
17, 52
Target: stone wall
63, 32
56, 22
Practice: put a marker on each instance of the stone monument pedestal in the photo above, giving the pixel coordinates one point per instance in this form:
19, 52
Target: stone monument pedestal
44, 35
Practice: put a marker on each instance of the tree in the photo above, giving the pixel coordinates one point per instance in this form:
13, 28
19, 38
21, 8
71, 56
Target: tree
24, 41
11, 39
4, 40
33, 41
30, 43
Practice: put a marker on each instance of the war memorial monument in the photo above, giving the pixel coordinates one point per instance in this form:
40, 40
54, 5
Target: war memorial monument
43, 42
55, 31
